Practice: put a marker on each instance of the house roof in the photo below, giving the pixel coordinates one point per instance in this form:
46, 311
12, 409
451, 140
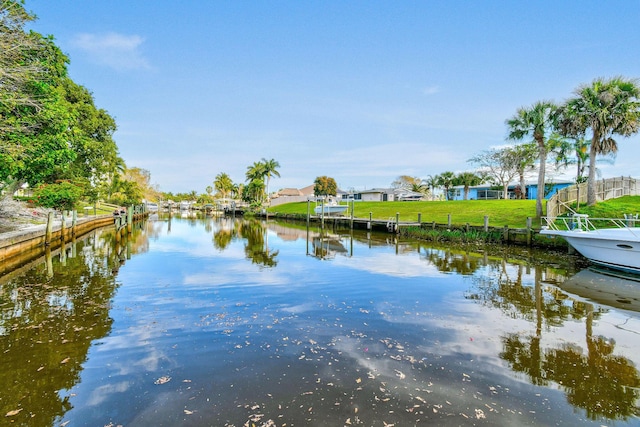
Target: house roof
290, 192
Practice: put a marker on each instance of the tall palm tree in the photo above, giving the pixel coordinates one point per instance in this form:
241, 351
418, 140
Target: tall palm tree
255, 182
606, 107
468, 179
431, 181
535, 121
270, 168
223, 184
446, 180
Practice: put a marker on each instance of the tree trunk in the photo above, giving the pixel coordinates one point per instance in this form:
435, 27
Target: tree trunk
541, 173
591, 182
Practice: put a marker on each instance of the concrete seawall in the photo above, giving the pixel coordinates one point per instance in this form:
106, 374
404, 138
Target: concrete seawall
18, 242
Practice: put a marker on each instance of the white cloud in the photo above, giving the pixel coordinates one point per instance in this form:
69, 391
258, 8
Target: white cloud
118, 51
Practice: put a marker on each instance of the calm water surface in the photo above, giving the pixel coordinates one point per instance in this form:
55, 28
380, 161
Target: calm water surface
222, 322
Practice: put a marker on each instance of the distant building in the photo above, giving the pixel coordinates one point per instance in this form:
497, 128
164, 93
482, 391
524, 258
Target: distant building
383, 195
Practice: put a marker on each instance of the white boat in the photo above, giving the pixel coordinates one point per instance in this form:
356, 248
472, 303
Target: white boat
330, 207
616, 246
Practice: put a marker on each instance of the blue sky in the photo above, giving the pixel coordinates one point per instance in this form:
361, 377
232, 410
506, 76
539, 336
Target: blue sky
362, 91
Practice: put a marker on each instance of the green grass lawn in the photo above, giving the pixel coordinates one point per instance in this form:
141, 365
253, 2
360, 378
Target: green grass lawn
513, 213
614, 208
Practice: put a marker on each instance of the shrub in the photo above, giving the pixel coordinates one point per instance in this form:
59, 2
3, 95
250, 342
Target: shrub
60, 196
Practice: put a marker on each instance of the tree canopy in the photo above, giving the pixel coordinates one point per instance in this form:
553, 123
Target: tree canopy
50, 128
325, 186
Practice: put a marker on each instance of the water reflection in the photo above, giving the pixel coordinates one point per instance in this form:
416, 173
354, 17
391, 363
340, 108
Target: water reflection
604, 384
224, 321
51, 310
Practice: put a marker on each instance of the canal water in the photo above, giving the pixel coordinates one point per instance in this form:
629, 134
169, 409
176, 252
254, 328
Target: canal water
226, 322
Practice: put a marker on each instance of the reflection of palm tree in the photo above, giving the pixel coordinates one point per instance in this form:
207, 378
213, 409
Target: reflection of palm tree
448, 261
256, 248
603, 384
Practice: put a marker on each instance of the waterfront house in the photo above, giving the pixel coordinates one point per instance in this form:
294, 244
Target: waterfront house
488, 191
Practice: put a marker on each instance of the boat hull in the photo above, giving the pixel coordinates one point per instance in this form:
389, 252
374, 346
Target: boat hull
330, 210
617, 248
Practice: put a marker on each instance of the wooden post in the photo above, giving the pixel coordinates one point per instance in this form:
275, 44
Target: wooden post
449, 220
117, 223
397, 230
369, 223
48, 261
486, 223
308, 211
47, 235
529, 231
466, 227
352, 207
63, 226
419, 218
130, 219
74, 221
505, 234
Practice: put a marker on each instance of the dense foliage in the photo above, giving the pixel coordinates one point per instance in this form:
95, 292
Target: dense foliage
325, 186
50, 128
61, 196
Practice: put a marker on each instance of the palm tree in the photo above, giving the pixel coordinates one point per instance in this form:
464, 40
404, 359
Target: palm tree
270, 168
431, 181
468, 179
255, 178
223, 184
446, 180
535, 121
607, 107
524, 157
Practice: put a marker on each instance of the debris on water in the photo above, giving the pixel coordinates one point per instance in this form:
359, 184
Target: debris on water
162, 380
14, 412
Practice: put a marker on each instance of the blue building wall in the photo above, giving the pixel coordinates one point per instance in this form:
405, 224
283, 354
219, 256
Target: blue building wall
476, 193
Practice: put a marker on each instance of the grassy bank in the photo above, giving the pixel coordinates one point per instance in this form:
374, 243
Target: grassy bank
513, 213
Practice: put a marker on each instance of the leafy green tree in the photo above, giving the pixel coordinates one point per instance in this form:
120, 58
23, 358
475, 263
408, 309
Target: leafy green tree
90, 136
536, 122
325, 186
20, 64
607, 107
60, 196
